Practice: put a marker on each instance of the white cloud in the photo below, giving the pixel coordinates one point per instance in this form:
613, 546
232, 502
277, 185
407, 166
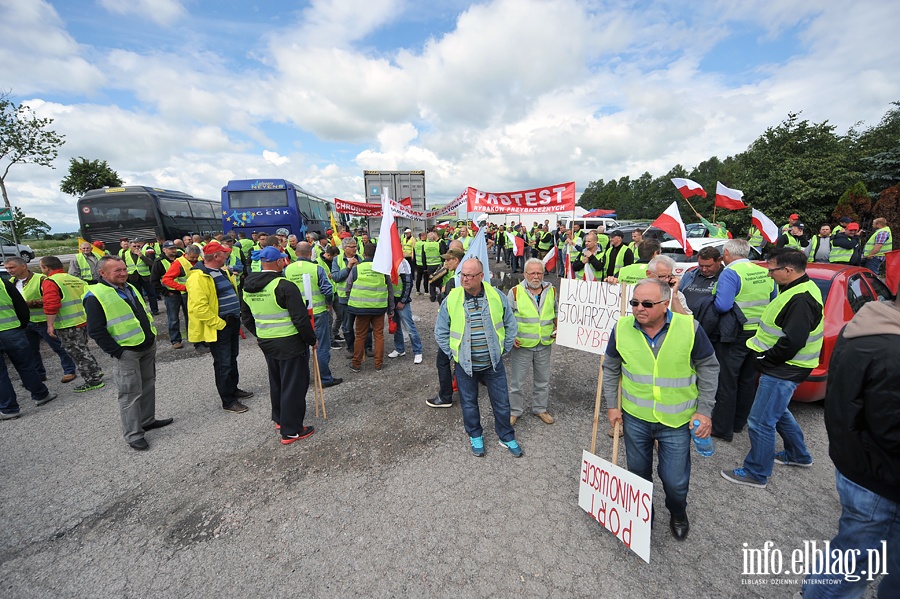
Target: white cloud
275, 158
38, 55
161, 12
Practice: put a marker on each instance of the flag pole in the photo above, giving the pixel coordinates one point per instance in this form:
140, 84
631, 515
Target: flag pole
597, 398
615, 451
692, 206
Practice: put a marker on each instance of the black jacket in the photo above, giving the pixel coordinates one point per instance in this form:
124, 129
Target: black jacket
720, 328
842, 240
288, 296
862, 401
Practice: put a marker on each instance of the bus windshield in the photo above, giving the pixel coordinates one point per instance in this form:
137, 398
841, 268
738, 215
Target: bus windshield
106, 213
252, 205
273, 198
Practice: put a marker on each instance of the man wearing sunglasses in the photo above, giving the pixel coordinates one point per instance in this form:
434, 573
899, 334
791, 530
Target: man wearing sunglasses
786, 345
669, 371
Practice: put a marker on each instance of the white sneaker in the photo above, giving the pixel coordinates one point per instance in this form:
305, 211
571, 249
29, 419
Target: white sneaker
396, 354
418, 359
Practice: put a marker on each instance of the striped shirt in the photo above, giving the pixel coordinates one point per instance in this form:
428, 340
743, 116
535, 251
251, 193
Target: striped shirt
481, 356
229, 304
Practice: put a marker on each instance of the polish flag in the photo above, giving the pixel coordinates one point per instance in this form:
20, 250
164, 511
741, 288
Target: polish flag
670, 222
516, 242
550, 261
729, 198
689, 188
389, 252
570, 274
765, 225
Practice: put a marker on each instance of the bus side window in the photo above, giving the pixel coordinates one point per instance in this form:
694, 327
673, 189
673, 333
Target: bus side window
303, 203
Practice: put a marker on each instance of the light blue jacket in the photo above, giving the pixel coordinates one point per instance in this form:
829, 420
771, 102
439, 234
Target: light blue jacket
442, 333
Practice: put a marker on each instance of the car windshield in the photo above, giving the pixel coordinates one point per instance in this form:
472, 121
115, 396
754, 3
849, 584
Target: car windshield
824, 285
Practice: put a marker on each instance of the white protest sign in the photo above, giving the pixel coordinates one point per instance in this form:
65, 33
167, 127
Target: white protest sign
588, 311
619, 500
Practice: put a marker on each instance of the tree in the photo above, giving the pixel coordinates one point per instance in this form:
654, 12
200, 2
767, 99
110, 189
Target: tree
855, 203
24, 139
888, 207
85, 175
26, 226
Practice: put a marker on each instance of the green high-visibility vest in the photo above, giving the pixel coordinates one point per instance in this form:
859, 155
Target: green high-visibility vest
71, 311
246, 245
409, 245
620, 259
545, 243
561, 242
419, 252
121, 323
793, 242
272, 321
756, 289
294, 273
8, 318
432, 253
85, 267
152, 246
632, 274
369, 288
291, 253
465, 242
885, 247
32, 291
662, 387
457, 311
340, 287
137, 265
755, 237
840, 255
534, 328
769, 333
603, 241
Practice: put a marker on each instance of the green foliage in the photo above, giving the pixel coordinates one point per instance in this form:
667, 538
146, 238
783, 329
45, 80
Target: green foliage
85, 175
26, 226
24, 139
855, 203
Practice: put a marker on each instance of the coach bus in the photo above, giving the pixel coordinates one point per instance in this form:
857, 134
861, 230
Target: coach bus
250, 205
139, 212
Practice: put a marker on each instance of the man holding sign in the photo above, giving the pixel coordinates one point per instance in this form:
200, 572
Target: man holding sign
670, 376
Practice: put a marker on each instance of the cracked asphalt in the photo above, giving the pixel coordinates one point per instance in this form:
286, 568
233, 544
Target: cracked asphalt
385, 500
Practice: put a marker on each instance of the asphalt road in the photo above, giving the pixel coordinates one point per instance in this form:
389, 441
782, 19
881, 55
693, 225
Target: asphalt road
385, 500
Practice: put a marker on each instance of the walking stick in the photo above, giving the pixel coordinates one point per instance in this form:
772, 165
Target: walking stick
617, 427
597, 408
318, 392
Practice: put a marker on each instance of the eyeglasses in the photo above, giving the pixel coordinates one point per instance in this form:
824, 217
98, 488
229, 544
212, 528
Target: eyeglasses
771, 270
470, 276
646, 303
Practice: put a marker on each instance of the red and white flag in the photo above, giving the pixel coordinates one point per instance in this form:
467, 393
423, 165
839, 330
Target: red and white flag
689, 188
389, 251
550, 260
570, 274
407, 202
729, 198
670, 222
516, 242
765, 225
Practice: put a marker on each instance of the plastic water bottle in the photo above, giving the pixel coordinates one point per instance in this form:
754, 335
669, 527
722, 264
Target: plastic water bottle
704, 446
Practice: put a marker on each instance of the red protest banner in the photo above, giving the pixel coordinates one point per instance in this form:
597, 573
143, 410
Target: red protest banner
552, 198
357, 208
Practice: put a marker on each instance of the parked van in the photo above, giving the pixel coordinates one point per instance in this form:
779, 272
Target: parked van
590, 224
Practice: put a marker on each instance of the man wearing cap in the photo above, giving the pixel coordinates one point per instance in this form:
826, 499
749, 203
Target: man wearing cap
793, 238
322, 297
214, 312
444, 398
139, 264
172, 298
617, 255
276, 313
792, 220
119, 323
86, 264
409, 243
819, 248
842, 225
846, 247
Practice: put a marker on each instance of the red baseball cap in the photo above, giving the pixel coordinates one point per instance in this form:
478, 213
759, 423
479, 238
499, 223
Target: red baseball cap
794, 217
853, 227
214, 246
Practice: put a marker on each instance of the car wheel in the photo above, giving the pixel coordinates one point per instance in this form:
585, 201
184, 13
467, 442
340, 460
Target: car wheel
26, 256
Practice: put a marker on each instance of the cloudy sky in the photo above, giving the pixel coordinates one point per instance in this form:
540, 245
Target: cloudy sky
500, 95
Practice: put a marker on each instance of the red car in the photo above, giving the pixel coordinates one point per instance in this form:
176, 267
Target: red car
845, 290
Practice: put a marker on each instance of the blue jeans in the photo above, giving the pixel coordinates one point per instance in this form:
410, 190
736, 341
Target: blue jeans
323, 350
495, 381
224, 351
405, 322
866, 519
875, 264
674, 467
770, 414
15, 346
174, 304
560, 262
37, 331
